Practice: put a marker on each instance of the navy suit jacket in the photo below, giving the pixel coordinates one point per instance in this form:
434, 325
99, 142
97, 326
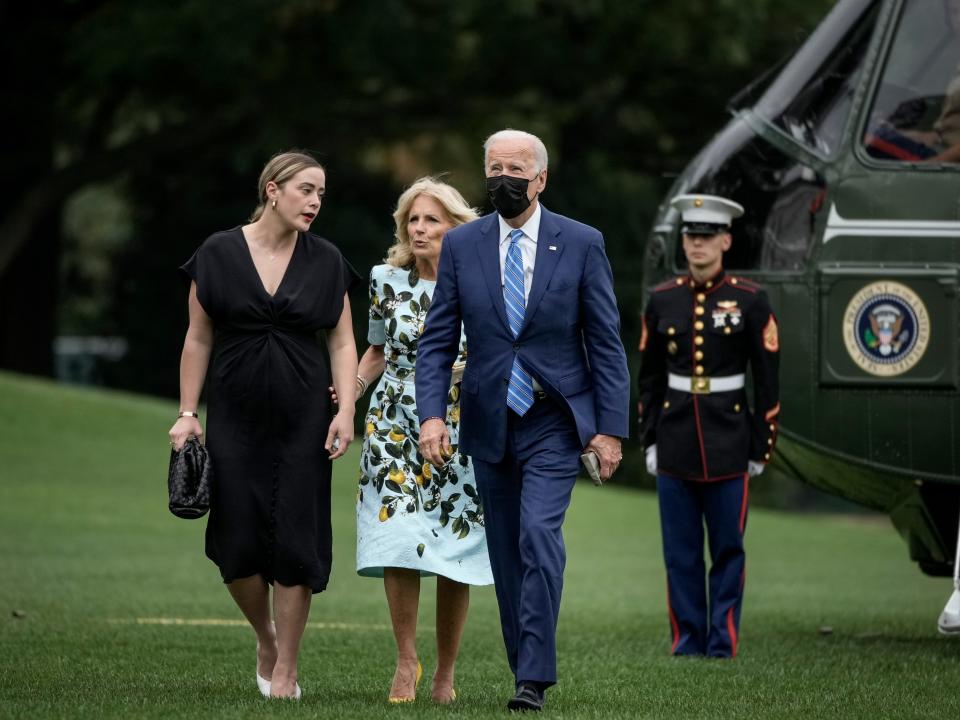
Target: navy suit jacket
570, 339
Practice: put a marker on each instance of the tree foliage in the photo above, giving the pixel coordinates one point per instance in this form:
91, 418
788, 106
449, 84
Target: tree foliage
175, 106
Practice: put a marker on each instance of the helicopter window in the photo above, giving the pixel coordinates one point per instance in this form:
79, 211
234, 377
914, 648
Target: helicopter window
782, 198
812, 97
916, 111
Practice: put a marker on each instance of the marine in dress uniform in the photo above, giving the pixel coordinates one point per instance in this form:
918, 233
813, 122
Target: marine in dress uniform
703, 440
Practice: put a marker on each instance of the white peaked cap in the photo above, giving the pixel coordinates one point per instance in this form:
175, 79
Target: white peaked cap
709, 209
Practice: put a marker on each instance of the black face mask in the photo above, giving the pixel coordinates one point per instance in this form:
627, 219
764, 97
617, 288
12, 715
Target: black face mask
508, 195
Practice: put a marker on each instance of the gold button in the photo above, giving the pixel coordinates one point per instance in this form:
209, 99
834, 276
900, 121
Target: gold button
666, 404
698, 340
736, 408
769, 441
773, 428
701, 297
699, 310
698, 355
733, 281
671, 331
709, 283
701, 384
698, 325
698, 369
766, 456
727, 331
679, 281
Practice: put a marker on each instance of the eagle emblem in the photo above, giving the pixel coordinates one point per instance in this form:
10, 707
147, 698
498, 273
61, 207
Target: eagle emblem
886, 334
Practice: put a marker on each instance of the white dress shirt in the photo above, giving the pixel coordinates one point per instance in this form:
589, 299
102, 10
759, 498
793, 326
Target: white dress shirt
528, 248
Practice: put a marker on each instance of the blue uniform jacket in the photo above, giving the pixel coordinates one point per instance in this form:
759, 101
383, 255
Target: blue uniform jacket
570, 339
704, 331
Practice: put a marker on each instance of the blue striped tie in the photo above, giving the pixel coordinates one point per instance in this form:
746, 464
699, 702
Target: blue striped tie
520, 389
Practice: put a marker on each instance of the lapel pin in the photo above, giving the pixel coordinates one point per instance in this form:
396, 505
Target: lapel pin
553, 247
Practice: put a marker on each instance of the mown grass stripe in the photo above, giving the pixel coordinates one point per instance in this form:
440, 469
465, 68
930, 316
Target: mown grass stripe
233, 622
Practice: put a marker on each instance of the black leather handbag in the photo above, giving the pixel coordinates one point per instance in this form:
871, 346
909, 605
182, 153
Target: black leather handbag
190, 480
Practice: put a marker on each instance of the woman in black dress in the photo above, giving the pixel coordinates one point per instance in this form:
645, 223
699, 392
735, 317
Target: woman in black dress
259, 296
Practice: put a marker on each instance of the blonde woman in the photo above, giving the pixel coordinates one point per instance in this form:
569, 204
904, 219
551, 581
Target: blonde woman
414, 519
259, 294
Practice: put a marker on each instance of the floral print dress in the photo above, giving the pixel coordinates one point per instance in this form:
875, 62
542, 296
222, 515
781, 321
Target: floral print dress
409, 513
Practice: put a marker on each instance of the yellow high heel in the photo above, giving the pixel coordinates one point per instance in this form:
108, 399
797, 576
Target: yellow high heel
397, 700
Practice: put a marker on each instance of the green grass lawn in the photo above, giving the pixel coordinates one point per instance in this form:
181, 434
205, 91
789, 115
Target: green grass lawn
97, 567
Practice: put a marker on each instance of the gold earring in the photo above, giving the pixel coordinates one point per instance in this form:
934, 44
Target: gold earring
274, 204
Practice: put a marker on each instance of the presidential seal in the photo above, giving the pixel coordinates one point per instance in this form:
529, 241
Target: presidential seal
886, 328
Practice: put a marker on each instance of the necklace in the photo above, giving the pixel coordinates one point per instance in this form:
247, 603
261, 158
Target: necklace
264, 249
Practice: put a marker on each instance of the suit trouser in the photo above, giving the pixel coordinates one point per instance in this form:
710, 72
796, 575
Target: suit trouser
684, 505
525, 497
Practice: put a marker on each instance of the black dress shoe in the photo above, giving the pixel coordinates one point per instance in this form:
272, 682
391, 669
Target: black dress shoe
528, 698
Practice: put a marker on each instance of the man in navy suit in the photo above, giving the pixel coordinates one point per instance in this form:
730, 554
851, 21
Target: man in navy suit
545, 380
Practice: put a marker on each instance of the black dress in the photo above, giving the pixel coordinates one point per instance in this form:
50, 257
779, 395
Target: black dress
268, 408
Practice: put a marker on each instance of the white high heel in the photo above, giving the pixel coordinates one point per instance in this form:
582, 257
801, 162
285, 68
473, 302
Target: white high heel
949, 620
264, 686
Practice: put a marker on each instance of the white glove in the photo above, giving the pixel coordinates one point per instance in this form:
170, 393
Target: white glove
755, 468
652, 459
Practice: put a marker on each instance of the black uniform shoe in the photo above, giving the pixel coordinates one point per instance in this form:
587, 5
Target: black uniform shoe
528, 698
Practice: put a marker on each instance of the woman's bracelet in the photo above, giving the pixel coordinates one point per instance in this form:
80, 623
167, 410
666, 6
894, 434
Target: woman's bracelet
361, 385
187, 413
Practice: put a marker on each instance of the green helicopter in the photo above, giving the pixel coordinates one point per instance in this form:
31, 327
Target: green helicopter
847, 159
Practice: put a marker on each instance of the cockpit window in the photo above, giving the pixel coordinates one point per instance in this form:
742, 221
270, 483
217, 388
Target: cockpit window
916, 111
812, 97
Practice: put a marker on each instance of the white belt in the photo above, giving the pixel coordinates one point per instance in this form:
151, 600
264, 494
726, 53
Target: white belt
701, 385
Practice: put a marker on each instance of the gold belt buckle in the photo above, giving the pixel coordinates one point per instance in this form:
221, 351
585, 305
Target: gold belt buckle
700, 385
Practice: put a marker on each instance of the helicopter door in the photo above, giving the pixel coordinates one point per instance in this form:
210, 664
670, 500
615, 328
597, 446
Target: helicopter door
890, 248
